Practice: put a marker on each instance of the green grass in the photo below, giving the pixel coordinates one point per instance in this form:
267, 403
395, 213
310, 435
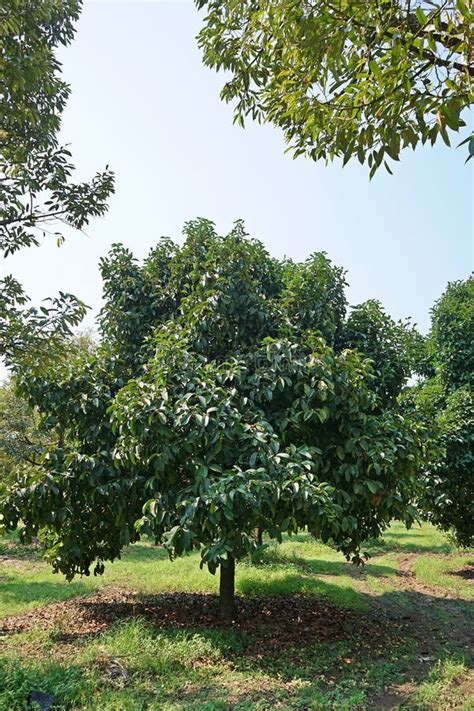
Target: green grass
446, 689
417, 539
298, 565
133, 665
446, 573
10, 546
23, 590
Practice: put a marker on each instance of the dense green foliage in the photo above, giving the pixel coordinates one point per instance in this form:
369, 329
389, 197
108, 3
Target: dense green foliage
36, 188
213, 406
392, 346
359, 79
452, 335
449, 496
446, 401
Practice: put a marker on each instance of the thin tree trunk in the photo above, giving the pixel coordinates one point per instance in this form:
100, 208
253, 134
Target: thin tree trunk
227, 589
259, 536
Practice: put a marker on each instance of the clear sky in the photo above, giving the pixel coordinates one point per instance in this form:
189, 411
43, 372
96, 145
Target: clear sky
143, 102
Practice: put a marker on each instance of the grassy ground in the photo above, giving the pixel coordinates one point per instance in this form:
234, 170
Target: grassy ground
314, 631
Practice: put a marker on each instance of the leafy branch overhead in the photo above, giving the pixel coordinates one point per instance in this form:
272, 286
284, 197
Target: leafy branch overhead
345, 79
37, 193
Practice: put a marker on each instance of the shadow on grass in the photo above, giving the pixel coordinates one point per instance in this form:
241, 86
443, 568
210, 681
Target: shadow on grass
452, 618
11, 547
307, 647
67, 684
467, 572
390, 542
317, 566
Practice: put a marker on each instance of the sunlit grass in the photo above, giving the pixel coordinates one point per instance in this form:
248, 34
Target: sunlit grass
134, 666
446, 573
300, 564
423, 538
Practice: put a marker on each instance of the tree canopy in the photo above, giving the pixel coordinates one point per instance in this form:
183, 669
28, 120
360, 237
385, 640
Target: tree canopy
37, 192
24, 438
452, 335
217, 403
446, 401
392, 346
345, 80
22, 441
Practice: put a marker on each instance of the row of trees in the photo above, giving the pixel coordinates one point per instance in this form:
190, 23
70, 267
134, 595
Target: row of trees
230, 393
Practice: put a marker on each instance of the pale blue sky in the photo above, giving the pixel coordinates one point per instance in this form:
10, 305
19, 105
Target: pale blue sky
143, 102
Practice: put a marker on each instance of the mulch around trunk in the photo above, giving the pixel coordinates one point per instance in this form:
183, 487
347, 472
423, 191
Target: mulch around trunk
271, 623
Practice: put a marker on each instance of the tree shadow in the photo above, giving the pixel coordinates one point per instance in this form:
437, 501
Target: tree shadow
300, 638
317, 566
65, 683
390, 542
467, 572
449, 616
12, 548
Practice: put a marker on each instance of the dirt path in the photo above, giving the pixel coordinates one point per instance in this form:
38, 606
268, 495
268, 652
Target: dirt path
439, 615
435, 618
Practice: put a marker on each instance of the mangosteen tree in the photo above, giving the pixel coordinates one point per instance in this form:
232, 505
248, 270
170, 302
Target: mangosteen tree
220, 403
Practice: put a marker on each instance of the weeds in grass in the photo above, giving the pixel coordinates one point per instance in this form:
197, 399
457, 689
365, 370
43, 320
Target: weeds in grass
449, 687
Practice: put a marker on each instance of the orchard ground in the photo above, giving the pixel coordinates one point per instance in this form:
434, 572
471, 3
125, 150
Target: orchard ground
313, 631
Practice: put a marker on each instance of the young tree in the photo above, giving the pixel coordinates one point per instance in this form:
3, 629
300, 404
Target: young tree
446, 401
215, 407
351, 80
36, 189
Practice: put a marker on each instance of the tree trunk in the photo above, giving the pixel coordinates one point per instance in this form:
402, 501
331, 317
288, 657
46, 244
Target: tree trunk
259, 536
227, 589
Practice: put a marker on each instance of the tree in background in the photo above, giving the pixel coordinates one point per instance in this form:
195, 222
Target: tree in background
216, 405
345, 80
24, 438
392, 346
36, 187
446, 401
452, 335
